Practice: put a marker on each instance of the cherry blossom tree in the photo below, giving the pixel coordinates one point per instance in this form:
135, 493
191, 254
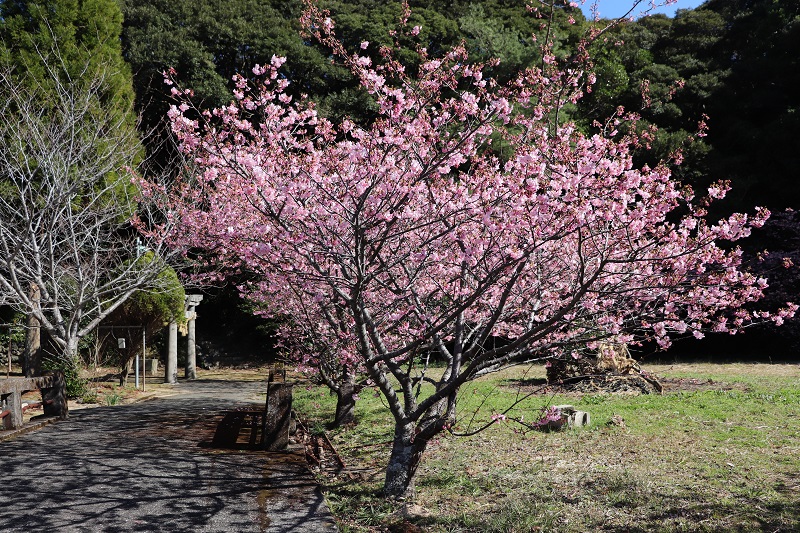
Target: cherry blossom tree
465, 213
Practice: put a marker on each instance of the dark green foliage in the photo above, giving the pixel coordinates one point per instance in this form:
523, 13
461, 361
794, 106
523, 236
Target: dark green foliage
490, 37
12, 334
163, 306
148, 310
781, 266
75, 44
738, 60
76, 386
209, 41
72, 38
756, 113
230, 321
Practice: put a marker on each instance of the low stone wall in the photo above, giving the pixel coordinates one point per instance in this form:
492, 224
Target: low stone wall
54, 398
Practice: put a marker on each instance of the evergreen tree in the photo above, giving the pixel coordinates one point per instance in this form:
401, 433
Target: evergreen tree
62, 63
755, 115
73, 38
207, 42
72, 43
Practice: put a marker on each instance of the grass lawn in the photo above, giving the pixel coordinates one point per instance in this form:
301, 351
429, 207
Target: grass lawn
720, 451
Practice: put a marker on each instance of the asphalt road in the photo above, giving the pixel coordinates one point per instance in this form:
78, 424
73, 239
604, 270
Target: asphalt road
150, 467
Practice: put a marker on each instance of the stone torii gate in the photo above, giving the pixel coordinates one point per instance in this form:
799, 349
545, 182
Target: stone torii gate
171, 368
192, 301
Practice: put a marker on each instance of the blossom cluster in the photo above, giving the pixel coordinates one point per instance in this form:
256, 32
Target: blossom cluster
463, 214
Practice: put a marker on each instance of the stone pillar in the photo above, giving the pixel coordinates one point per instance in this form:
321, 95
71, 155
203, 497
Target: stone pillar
191, 350
192, 301
14, 402
171, 366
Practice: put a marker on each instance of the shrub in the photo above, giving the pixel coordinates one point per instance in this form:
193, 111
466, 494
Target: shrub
76, 386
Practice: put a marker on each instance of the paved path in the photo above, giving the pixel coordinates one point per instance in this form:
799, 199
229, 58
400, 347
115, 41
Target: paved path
149, 467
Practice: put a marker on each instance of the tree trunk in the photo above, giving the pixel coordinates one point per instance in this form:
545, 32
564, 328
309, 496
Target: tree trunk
403, 462
125, 371
345, 401
32, 354
71, 349
611, 358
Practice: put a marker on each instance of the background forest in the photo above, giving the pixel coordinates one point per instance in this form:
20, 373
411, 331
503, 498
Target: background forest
730, 64
735, 62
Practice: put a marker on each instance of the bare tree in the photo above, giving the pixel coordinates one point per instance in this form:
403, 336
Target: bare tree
69, 252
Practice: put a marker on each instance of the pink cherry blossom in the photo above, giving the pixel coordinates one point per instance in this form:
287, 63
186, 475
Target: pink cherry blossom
380, 246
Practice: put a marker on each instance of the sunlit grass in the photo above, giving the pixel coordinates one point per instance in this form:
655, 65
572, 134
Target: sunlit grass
724, 457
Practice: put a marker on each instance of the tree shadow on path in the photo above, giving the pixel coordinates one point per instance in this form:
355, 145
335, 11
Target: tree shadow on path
141, 468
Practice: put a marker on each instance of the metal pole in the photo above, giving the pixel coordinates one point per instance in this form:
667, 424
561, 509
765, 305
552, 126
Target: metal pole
136, 371
144, 370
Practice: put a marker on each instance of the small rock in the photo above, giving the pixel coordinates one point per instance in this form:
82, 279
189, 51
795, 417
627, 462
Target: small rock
412, 510
617, 420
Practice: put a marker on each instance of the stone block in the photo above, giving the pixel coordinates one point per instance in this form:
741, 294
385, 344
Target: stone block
151, 366
278, 420
54, 397
571, 417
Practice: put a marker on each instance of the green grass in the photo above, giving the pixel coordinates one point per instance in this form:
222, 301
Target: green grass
113, 398
724, 456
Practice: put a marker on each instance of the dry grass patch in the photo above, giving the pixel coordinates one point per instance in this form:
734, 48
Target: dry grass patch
716, 459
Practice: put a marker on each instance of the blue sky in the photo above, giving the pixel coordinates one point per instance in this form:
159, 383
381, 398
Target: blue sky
617, 8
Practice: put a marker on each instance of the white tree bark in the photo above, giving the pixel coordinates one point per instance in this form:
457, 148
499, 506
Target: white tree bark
66, 206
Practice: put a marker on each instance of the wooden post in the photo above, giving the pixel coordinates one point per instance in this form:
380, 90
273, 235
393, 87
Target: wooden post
14, 403
278, 417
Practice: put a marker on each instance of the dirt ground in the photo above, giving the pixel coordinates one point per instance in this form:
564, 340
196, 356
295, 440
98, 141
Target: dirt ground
632, 383
104, 390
